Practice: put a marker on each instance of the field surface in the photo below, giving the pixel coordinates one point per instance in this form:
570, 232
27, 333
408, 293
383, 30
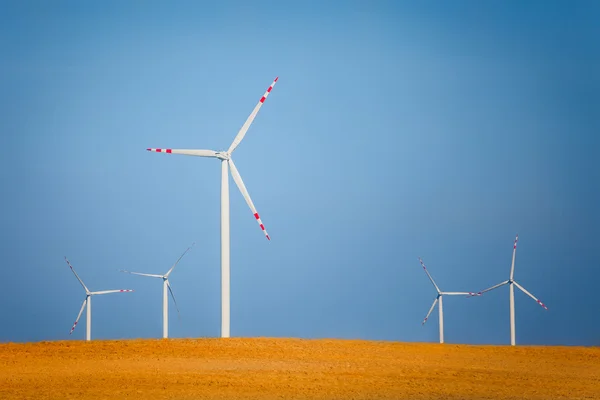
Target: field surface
294, 369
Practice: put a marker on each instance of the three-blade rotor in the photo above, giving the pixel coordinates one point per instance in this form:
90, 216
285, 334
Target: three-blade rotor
440, 293
511, 279
226, 156
88, 294
165, 277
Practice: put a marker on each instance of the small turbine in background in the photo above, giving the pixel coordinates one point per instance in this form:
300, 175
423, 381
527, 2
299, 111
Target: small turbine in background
512, 283
166, 286
439, 298
88, 302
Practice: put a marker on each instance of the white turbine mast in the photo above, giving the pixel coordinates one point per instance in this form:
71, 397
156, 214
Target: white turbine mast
512, 283
166, 288
439, 299
88, 302
226, 164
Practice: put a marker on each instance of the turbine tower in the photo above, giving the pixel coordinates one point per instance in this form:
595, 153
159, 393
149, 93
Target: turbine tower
166, 287
88, 302
512, 283
439, 299
226, 164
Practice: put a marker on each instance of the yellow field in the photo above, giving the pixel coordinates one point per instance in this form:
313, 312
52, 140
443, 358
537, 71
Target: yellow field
294, 369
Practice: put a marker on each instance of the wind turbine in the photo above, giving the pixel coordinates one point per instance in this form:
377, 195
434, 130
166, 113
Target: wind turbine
88, 301
166, 286
511, 283
439, 298
226, 164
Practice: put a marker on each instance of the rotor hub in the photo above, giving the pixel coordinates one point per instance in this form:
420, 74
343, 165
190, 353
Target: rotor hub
223, 155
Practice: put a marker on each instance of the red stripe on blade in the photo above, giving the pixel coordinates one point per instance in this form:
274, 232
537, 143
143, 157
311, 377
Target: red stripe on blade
542, 304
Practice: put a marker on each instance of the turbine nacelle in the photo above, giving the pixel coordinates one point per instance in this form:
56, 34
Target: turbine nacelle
223, 155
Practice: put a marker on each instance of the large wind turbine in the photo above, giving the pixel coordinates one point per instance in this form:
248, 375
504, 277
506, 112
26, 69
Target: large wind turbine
439, 298
88, 301
511, 282
226, 164
166, 286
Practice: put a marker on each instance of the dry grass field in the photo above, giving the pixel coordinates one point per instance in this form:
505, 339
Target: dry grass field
294, 369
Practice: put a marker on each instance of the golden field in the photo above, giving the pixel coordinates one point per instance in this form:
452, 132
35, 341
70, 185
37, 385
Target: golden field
294, 369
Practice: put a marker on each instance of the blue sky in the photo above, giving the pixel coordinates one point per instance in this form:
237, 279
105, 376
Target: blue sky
397, 130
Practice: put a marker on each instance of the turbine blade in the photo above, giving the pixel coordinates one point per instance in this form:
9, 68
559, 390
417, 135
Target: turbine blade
77, 276
430, 278
179, 259
473, 294
488, 289
186, 152
240, 184
530, 295
78, 315
512, 266
456, 293
244, 129
173, 296
430, 310
141, 274
113, 291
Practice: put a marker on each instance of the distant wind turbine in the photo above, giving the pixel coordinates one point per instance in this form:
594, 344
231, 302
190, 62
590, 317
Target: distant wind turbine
88, 302
226, 163
439, 298
166, 286
511, 282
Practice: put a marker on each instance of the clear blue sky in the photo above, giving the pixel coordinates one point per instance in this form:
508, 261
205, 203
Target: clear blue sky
396, 130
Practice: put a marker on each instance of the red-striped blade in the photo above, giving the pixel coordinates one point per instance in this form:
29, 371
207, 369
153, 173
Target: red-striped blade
77, 276
490, 288
261, 225
161, 150
186, 152
78, 316
530, 295
429, 275
240, 184
246, 126
430, 310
